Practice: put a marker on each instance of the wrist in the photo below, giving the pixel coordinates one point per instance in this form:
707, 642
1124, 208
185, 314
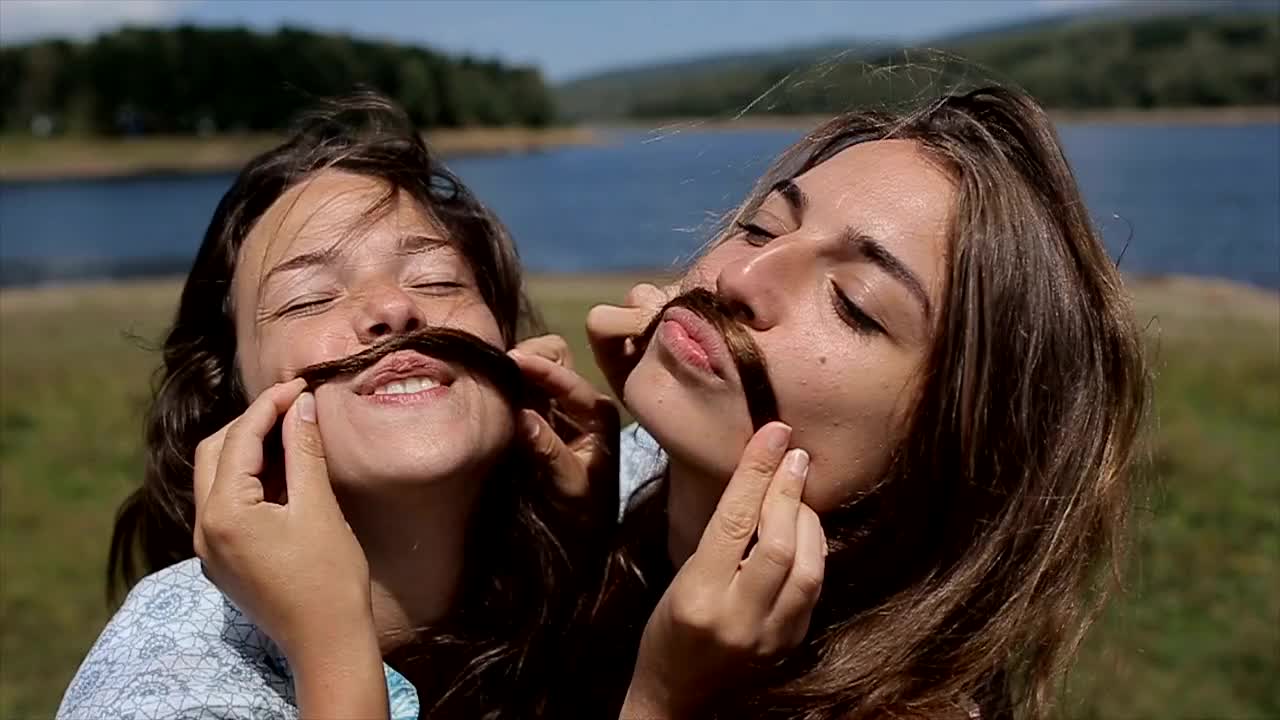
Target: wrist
340, 677
647, 701
639, 706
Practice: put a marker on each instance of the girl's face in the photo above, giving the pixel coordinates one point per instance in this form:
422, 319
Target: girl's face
839, 276
317, 281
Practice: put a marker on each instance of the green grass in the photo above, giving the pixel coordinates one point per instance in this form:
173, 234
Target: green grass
1197, 636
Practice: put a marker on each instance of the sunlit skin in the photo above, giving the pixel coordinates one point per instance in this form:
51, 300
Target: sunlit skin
316, 283
840, 274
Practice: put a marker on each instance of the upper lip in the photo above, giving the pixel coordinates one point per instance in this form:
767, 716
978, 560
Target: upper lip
399, 366
705, 334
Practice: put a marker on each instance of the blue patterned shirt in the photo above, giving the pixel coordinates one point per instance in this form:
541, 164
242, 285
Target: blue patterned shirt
179, 650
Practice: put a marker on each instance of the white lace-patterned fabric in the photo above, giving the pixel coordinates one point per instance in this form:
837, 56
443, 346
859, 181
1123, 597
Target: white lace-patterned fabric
640, 460
179, 650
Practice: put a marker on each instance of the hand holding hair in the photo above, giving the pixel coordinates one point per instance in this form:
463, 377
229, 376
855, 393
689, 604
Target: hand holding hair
294, 568
612, 330
579, 445
724, 612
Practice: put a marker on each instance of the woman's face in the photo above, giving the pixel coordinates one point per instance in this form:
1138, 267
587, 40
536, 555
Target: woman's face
839, 275
316, 281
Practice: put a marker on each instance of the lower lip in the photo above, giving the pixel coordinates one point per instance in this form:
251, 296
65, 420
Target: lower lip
422, 396
675, 339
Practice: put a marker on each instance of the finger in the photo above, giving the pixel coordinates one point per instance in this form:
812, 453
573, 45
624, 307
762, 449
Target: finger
203, 474
737, 514
242, 454
799, 594
766, 568
574, 396
551, 347
568, 475
306, 473
206, 466
647, 296
611, 331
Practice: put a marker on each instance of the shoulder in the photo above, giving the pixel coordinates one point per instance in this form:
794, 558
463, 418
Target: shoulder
640, 459
177, 648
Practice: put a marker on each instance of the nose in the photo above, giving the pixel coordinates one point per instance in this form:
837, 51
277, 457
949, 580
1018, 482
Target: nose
757, 285
387, 310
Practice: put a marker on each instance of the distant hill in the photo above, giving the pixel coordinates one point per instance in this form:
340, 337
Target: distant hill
189, 80
1128, 55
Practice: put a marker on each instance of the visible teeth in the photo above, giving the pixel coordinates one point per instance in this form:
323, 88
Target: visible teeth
407, 386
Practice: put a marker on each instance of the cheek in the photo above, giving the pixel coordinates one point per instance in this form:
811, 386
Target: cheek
849, 413
277, 353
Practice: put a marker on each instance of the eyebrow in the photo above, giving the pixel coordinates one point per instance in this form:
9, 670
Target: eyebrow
879, 255
792, 193
407, 245
867, 246
410, 244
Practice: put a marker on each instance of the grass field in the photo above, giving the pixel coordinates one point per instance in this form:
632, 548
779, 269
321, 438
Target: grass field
1198, 635
23, 157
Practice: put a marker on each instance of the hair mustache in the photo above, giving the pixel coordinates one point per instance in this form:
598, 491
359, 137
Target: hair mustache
747, 357
447, 344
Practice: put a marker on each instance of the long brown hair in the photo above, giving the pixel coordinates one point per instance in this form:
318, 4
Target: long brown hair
514, 592
967, 575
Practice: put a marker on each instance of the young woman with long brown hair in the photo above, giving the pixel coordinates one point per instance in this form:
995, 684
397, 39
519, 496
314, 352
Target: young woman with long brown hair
957, 388
340, 344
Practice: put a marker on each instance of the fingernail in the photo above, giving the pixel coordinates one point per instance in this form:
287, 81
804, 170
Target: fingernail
777, 436
307, 407
796, 462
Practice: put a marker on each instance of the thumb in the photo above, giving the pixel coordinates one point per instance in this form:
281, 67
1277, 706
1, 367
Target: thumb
305, 468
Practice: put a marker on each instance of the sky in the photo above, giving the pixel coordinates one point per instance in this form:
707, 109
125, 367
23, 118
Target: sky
565, 38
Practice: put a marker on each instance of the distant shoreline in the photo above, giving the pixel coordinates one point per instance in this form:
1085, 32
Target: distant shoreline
18, 296
1259, 115
25, 159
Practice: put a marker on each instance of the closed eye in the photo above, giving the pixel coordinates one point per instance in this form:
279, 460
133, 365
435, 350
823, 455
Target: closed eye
439, 287
852, 315
754, 234
304, 305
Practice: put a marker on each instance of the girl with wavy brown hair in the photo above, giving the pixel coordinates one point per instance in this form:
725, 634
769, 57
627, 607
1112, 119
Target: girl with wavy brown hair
340, 349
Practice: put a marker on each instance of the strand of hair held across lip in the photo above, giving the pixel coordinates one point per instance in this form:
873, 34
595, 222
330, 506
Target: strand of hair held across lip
747, 357
447, 344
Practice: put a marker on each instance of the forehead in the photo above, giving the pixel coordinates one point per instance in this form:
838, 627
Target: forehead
892, 179
325, 209
890, 190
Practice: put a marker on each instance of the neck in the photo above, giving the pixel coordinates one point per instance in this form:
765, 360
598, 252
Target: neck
414, 541
691, 500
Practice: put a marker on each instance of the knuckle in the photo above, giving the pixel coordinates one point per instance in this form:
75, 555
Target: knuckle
737, 524
693, 609
777, 551
738, 638
309, 443
216, 528
807, 581
758, 466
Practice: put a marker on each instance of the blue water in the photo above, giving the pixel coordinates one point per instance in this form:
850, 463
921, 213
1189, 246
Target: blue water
1193, 200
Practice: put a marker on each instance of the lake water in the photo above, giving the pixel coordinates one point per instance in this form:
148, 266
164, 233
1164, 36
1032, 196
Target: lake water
1192, 200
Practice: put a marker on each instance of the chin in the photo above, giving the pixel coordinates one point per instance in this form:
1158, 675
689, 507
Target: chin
696, 429
418, 461
458, 436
